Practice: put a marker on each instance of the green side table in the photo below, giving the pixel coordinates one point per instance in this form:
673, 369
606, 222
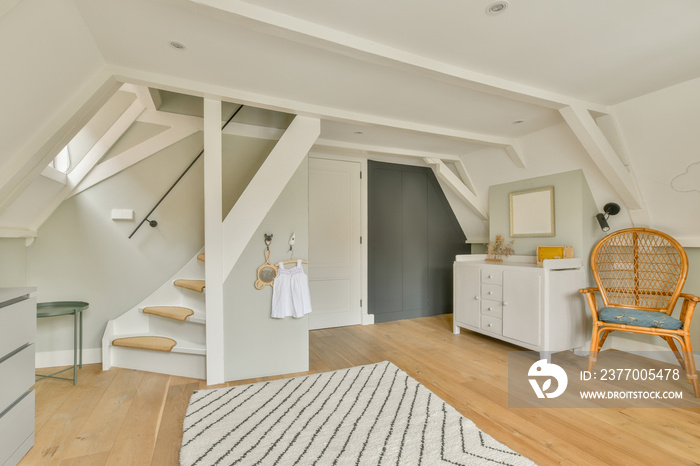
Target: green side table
66, 308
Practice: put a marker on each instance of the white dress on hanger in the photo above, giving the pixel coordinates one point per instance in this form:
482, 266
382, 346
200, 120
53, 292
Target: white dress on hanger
290, 292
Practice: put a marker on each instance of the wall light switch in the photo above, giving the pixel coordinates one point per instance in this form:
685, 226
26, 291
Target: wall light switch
122, 214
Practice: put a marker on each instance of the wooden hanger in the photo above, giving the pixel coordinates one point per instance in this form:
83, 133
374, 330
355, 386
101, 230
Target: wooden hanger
294, 261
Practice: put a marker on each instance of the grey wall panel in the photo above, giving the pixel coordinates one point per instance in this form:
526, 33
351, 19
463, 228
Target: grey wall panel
413, 238
414, 261
385, 285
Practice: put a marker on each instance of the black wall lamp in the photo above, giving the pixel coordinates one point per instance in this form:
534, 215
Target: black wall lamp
609, 209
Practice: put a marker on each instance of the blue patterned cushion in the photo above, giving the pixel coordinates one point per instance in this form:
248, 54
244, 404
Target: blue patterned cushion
618, 315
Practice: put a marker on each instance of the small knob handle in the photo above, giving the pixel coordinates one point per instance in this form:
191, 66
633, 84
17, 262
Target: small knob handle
490, 292
490, 309
490, 276
476, 297
490, 325
505, 303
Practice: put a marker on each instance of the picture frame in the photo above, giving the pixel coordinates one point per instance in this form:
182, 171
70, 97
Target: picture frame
532, 213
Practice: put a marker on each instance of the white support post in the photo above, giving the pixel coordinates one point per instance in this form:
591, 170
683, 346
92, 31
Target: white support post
213, 241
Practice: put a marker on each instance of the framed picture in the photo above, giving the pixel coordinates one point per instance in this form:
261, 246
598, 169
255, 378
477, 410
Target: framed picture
532, 213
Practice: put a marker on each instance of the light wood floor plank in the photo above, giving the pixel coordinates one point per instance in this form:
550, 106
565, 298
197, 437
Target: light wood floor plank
137, 436
57, 433
167, 448
145, 411
95, 434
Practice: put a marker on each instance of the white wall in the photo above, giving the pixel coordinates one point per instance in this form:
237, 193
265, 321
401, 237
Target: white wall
661, 133
47, 54
573, 213
13, 262
256, 344
80, 253
547, 152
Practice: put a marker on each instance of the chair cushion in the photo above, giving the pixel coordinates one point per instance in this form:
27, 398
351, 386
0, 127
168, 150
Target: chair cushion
621, 315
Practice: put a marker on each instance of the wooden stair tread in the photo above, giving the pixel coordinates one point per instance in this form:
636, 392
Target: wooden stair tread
170, 312
194, 285
201, 257
148, 343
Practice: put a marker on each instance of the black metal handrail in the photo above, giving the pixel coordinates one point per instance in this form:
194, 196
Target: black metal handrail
153, 223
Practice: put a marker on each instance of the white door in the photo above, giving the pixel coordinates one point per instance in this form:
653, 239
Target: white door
334, 243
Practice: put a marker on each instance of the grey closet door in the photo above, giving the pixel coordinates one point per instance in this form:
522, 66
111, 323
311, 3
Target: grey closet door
413, 238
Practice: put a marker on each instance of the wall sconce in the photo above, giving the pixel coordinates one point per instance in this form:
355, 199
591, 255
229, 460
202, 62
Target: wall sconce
609, 209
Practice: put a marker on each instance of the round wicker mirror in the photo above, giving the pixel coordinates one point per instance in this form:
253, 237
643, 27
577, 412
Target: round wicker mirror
266, 272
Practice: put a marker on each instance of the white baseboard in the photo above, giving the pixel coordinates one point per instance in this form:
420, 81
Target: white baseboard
367, 319
65, 357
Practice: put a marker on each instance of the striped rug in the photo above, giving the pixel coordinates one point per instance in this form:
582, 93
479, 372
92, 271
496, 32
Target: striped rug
374, 414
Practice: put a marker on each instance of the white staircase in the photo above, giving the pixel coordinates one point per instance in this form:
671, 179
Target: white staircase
165, 332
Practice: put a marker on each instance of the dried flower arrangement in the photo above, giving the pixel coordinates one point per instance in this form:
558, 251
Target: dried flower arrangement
498, 249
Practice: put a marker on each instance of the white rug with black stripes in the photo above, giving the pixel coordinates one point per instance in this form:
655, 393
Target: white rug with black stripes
374, 414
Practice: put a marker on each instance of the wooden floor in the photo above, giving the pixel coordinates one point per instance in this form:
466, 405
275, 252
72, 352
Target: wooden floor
126, 417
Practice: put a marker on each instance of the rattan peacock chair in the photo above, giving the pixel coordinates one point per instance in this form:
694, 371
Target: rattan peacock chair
640, 275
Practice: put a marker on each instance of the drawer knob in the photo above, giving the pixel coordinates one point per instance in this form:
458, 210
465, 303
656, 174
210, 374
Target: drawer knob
490, 276
490, 292
505, 303
476, 297
490, 325
490, 309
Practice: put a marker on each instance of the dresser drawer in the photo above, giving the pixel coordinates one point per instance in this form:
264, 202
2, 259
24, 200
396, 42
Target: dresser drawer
493, 277
17, 325
17, 375
491, 308
492, 292
17, 430
492, 324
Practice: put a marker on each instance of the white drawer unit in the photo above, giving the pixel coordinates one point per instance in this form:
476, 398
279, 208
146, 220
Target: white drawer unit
17, 335
538, 308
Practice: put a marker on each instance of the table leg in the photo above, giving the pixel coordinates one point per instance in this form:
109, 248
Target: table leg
75, 348
81, 339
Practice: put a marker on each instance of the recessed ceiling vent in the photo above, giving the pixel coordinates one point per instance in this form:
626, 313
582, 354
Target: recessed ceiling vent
496, 8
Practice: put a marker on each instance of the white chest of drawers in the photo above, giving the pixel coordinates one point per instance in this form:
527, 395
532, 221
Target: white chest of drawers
538, 308
17, 336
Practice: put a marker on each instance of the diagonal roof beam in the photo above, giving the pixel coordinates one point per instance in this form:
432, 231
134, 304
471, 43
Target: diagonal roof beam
316, 35
445, 174
596, 144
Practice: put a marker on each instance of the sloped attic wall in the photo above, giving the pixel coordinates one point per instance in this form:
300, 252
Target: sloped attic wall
660, 132
48, 57
82, 254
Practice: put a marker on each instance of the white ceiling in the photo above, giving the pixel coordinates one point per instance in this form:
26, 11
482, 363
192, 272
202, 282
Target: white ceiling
595, 50
409, 64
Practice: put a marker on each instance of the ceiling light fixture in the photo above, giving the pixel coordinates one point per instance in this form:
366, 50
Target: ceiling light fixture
177, 45
517, 122
496, 7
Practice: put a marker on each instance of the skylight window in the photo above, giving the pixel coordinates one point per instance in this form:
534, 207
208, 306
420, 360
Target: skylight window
62, 161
